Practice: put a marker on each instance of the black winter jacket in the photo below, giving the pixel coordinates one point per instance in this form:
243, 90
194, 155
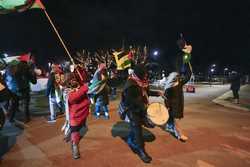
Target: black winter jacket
136, 103
175, 97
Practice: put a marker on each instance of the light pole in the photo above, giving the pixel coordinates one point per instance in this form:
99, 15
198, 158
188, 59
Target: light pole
225, 70
210, 72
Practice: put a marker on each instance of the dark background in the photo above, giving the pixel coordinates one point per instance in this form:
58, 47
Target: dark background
219, 31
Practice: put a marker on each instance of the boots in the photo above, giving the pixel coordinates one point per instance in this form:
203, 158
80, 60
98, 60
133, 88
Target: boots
75, 151
144, 156
139, 151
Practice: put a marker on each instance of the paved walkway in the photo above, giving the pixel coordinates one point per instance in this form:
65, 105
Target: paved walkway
218, 137
226, 99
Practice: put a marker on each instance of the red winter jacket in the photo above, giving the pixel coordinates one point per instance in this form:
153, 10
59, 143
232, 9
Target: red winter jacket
78, 106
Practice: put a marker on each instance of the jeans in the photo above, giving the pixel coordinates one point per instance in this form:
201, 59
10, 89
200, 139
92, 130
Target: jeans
13, 107
171, 128
135, 137
75, 132
104, 108
113, 92
99, 105
25, 100
52, 103
235, 93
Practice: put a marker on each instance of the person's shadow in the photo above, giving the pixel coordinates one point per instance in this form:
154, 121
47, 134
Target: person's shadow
121, 129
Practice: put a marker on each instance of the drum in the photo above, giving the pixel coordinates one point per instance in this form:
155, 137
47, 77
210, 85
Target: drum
157, 113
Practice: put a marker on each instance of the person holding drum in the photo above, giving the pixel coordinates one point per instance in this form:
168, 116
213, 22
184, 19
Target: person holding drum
135, 93
175, 101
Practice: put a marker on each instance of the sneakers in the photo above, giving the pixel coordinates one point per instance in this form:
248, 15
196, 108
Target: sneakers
97, 116
106, 115
50, 120
183, 138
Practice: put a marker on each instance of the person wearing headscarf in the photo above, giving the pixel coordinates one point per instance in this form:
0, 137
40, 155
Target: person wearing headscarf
78, 106
99, 90
175, 101
135, 94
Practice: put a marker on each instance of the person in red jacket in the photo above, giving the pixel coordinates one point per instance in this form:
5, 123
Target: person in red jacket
78, 103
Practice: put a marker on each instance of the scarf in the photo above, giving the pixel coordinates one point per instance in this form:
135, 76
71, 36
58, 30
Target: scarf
143, 84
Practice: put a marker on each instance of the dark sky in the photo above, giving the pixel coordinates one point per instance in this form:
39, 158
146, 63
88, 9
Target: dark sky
219, 31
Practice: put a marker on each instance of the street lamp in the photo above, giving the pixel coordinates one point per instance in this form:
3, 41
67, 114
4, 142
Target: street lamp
225, 70
156, 53
214, 65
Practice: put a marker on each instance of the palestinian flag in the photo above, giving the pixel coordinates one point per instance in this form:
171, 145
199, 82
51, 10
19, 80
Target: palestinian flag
122, 59
9, 6
17, 59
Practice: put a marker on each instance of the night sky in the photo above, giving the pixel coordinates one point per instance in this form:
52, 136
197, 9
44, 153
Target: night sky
219, 31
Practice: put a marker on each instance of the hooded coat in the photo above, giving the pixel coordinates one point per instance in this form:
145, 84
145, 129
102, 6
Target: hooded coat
175, 97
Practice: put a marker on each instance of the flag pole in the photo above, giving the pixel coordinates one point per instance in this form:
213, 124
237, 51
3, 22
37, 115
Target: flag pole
59, 36
62, 42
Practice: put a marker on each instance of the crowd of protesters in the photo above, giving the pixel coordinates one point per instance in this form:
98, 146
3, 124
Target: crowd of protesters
86, 85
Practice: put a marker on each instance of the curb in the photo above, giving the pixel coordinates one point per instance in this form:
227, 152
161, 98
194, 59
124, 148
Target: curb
221, 101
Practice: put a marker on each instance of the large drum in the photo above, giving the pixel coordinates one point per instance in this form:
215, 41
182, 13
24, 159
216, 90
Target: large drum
157, 113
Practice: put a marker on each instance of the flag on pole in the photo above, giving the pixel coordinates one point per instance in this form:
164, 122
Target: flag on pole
38, 4
9, 6
122, 60
16, 59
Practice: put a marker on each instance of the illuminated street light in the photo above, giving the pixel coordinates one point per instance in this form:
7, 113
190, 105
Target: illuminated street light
214, 65
156, 53
212, 70
225, 69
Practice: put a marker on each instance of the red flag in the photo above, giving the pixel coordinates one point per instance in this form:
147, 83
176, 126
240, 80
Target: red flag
38, 4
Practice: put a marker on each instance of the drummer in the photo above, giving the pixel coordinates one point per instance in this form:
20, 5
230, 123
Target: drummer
175, 101
136, 92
